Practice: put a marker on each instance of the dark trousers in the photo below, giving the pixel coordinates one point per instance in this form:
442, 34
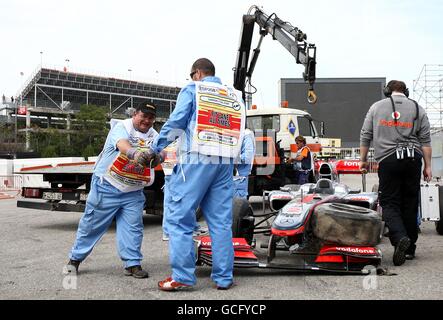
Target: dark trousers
399, 186
302, 177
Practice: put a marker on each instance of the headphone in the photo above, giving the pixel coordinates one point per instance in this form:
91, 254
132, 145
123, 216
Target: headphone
387, 91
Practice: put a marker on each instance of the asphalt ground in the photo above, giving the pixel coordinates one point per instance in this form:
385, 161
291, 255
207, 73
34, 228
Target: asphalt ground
35, 244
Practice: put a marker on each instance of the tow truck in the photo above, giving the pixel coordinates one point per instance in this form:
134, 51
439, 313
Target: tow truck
69, 187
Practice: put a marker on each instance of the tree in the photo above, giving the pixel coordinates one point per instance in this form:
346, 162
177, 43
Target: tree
89, 151
87, 137
92, 122
49, 152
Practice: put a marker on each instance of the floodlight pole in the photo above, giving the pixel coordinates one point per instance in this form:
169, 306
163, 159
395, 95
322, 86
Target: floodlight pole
16, 111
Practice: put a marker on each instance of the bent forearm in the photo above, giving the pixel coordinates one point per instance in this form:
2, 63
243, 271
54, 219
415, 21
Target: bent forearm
123, 146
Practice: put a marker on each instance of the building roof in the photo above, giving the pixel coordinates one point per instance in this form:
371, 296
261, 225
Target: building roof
62, 89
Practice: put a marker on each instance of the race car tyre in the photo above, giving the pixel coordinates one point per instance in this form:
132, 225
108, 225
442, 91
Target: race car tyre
198, 214
242, 220
347, 224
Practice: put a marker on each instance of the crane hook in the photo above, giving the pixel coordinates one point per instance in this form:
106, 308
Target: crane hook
312, 97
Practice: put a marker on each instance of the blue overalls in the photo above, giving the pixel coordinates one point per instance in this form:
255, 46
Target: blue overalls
104, 203
197, 180
245, 166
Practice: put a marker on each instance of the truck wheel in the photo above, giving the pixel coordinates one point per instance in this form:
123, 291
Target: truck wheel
242, 220
347, 224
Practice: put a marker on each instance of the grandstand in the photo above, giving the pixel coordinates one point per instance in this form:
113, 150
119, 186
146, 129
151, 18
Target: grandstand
57, 92
50, 98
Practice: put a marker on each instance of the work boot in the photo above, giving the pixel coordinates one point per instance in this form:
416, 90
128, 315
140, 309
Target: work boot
136, 272
399, 256
409, 256
410, 252
71, 267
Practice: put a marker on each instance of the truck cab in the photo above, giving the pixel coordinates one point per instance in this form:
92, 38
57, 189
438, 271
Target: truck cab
288, 123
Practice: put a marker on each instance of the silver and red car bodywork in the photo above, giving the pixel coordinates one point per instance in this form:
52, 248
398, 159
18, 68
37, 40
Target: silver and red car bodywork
291, 208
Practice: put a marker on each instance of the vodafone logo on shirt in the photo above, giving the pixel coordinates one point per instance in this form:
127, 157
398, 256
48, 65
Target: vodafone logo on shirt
395, 123
396, 115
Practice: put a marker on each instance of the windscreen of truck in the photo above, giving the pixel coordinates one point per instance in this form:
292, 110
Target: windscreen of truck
261, 149
305, 127
264, 122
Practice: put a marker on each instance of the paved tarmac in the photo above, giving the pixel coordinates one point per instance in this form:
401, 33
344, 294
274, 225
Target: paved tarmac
35, 244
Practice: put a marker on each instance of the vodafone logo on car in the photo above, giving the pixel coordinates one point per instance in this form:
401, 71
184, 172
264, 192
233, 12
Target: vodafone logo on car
357, 250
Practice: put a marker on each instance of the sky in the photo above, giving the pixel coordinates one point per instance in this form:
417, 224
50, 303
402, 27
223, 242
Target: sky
159, 40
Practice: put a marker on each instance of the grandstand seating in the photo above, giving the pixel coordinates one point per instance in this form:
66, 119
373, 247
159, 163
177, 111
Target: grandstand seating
47, 88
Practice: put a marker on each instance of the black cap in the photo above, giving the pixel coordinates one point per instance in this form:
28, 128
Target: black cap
146, 108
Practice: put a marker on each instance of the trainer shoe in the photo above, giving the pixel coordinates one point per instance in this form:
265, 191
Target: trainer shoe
170, 284
71, 267
399, 256
136, 272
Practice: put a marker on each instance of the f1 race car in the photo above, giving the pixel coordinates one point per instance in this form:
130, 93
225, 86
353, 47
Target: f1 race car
324, 226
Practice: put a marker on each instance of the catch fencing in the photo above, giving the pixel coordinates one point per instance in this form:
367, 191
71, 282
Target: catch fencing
354, 154
11, 182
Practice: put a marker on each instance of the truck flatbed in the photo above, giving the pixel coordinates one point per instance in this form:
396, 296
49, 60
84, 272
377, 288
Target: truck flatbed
62, 168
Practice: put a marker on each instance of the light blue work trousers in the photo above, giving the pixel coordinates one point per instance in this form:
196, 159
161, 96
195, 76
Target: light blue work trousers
211, 187
166, 202
104, 203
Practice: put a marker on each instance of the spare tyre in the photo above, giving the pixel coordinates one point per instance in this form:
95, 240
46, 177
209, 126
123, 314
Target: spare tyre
346, 224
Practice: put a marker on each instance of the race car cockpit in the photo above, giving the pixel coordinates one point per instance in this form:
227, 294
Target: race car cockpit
323, 186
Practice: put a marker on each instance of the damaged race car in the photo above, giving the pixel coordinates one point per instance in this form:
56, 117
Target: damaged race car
323, 226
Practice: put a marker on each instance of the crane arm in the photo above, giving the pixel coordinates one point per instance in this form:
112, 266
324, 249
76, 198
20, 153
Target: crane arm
290, 37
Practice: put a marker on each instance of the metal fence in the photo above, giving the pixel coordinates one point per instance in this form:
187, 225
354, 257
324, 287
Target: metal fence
11, 182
